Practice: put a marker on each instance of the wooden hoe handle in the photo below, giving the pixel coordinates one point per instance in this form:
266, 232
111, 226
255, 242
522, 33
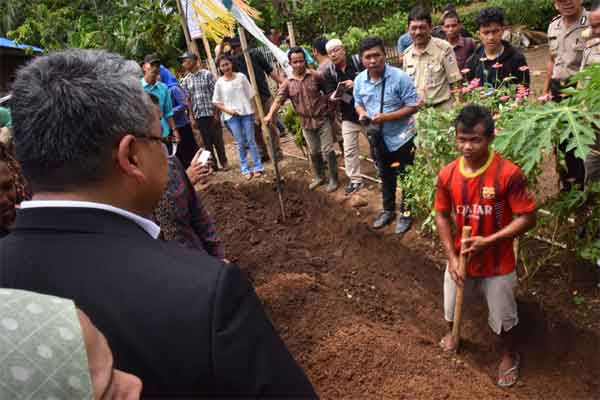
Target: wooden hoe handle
460, 290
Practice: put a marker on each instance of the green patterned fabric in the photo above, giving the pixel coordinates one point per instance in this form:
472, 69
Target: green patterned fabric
42, 352
5, 118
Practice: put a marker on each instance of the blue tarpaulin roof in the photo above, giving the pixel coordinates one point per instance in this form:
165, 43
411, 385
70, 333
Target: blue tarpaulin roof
4, 42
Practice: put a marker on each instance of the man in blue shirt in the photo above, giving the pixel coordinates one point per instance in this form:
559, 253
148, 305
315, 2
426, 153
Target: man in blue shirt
152, 85
392, 116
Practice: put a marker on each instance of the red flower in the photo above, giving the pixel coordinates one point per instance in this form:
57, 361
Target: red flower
504, 98
474, 83
523, 68
465, 71
497, 65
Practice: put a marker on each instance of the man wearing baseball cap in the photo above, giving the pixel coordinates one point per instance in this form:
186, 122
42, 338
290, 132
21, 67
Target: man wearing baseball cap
199, 85
152, 85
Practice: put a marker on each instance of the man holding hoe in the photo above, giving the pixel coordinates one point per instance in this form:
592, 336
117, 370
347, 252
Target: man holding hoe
489, 194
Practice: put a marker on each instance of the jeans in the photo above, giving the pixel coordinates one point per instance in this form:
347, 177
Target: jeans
389, 176
242, 128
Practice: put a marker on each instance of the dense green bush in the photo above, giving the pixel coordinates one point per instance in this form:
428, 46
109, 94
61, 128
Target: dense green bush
389, 29
315, 17
535, 14
130, 29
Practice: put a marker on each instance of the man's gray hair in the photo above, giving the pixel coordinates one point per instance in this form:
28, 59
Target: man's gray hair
69, 111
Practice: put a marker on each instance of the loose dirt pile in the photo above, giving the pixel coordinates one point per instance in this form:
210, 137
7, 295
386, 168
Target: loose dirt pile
362, 313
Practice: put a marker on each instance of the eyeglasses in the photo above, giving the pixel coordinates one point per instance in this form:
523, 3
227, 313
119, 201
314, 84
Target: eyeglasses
169, 143
336, 50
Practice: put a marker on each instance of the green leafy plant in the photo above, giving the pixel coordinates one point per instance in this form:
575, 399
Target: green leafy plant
435, 148
291, 120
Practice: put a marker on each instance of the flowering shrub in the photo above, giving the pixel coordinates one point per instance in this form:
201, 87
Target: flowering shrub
528, 131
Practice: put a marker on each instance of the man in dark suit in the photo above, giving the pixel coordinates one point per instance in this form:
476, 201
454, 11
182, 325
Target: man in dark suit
89, 143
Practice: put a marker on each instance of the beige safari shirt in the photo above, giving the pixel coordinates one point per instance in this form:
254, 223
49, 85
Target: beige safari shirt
433, 71
591, 54
566, 46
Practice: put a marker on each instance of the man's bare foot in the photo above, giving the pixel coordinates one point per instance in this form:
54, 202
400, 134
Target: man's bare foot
447, 344
508, 370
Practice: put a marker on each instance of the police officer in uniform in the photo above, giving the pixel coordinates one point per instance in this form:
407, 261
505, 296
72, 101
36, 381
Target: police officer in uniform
566, 47
591, 55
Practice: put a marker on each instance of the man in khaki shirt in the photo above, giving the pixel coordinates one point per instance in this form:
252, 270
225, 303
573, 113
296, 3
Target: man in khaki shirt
430, 61
566, 52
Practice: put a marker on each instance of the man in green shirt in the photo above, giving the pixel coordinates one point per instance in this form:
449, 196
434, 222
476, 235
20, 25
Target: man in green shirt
152, 85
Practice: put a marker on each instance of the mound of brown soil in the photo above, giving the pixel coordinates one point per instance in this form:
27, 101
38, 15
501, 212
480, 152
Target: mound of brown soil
362, 313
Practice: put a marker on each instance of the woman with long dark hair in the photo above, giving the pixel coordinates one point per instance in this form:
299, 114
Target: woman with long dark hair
233, 96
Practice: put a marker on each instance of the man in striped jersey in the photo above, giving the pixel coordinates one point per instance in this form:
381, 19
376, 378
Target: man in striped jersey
483, 190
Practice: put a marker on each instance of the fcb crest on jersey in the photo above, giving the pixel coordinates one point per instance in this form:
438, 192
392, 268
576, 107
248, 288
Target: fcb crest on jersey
488, 192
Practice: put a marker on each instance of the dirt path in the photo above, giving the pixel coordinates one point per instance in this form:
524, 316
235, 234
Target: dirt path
361, 312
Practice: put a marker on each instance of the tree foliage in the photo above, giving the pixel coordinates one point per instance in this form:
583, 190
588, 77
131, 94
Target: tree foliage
129, 28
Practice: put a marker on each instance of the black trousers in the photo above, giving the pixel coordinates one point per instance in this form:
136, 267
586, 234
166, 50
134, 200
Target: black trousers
187, 147
212, 136
405, 155
575, 167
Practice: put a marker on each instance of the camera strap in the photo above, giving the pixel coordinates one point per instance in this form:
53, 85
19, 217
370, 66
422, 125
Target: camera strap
381, 103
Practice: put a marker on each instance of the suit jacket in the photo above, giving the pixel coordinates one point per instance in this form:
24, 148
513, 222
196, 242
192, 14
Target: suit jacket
186, 324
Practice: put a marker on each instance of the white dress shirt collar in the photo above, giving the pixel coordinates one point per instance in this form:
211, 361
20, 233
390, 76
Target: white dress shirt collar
150, 227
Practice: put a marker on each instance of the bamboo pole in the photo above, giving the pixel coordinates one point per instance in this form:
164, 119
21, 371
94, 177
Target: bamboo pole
261, 116
291, 34
209, 57
191, 45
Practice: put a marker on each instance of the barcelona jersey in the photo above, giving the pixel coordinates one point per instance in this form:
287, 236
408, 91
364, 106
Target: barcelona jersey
486, 200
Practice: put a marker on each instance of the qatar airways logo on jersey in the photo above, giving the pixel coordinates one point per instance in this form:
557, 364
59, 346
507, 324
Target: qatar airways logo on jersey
474, 211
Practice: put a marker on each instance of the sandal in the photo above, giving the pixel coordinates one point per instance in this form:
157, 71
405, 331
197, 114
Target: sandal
509, 377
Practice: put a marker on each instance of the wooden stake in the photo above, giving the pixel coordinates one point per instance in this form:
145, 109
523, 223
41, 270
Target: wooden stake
460, 290
261, 116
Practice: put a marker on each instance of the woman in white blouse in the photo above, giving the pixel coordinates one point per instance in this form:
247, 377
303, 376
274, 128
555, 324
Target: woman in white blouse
233, 96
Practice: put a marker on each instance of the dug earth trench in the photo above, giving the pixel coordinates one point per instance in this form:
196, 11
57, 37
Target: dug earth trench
361, 312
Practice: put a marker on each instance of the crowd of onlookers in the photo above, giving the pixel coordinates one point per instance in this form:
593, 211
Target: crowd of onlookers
100, 160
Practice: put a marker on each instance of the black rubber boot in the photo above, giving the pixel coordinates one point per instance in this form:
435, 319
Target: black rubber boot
333, 172
318, 167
